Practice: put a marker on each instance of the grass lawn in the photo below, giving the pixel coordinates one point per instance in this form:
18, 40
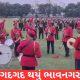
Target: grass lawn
47, 61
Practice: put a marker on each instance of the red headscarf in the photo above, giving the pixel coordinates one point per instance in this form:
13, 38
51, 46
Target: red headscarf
31, 32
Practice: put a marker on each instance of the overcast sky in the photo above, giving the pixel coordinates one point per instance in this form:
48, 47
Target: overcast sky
59, 2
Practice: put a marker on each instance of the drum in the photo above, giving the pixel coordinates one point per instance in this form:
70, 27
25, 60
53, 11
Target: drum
10, 43
70, 43
5, 54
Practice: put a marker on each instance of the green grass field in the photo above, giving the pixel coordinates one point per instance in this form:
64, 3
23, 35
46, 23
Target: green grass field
47, 61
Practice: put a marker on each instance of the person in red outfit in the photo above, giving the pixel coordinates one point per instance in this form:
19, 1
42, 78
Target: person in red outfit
67, 34
2, 24
3, 34
16, 36
50, 37
77, 50
30, 49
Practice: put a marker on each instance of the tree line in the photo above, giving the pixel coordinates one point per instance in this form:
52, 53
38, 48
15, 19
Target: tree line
7, 9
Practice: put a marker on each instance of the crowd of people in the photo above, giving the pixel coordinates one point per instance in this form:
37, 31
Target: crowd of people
37, 28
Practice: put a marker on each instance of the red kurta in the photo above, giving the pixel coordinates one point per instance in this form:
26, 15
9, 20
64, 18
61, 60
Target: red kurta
76, 45
15, 34
50, 31
32, 49
2, 36
67, 34
2, 24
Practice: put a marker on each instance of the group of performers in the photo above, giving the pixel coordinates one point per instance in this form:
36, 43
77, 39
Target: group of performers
49, 28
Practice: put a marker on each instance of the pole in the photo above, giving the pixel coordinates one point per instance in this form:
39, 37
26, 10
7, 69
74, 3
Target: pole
49, 2
36, 8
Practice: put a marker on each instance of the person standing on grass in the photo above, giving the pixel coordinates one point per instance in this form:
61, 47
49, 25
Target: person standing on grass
16, 36
77, 50
57, 30
3, 33
67, 34
41, 30
50, 36
30, 49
